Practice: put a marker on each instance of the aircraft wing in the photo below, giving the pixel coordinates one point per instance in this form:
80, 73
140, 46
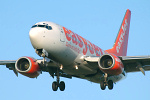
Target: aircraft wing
10, 64
131, 63
50, 67
136, 63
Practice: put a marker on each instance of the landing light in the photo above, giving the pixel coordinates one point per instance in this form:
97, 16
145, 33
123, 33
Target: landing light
76, 67
61, 67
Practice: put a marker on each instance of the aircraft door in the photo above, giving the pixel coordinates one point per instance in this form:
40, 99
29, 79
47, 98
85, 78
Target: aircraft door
62, 35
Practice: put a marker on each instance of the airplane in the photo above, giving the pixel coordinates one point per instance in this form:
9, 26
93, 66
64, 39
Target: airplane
67, 54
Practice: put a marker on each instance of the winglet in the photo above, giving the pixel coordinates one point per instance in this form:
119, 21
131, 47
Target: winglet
121, 42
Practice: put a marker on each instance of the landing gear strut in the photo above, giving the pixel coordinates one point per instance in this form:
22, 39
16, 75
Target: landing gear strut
106, 82
57, 83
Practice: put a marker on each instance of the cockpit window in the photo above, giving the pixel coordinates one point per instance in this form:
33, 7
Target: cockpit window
44, 26
34, 26
41, 26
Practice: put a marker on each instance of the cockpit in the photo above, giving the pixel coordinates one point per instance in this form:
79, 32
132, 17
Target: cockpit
42, 26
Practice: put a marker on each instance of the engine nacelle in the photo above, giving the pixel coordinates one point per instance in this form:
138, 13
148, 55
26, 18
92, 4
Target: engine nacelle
110, 64
27, 66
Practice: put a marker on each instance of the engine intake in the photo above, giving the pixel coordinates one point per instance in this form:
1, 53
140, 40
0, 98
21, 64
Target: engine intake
23, 65
110, 64
27, 66
106, 61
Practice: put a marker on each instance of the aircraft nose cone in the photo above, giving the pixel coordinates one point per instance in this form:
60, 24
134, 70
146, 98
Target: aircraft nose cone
35, 38
32, 34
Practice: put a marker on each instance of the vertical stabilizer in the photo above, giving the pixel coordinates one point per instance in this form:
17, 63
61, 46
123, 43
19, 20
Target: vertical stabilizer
120, 46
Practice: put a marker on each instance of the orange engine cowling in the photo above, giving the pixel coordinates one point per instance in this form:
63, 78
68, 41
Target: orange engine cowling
27, 66
110, 64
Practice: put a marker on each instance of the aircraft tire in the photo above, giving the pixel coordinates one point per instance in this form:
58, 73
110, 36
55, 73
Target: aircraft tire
62, 86
102, 85
110, 84
54, 86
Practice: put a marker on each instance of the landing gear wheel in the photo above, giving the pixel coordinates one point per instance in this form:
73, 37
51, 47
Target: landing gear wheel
102, 85
62, 86
110, 84
57, 83
54, 86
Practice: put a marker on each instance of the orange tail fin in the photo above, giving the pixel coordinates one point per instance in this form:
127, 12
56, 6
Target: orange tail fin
120, 46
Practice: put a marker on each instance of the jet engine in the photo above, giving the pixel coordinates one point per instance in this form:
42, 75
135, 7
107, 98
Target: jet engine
27, 66
110, 64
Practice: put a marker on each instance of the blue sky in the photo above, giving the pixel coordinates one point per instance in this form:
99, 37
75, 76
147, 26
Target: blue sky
95, 20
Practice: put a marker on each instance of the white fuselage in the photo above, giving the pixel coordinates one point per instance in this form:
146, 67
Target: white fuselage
67, 48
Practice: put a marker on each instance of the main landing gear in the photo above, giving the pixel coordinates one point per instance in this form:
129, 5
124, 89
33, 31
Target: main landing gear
59, 84
106, 82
